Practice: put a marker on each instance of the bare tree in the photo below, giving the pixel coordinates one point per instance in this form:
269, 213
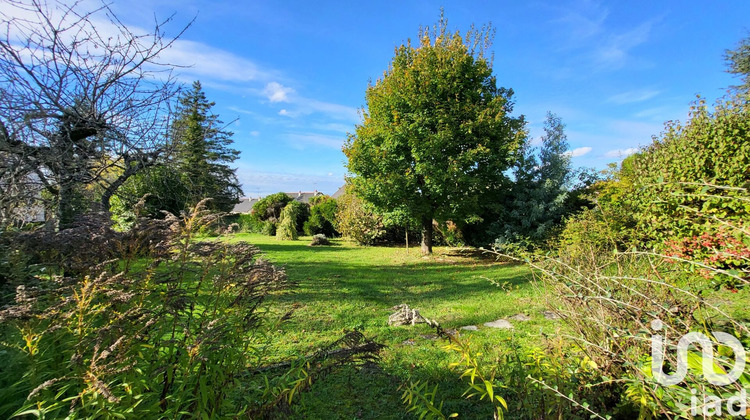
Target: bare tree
84, 100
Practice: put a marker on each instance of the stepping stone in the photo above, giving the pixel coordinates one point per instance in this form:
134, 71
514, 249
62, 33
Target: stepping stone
520, 317
500, 323
429, 336
470, 328
550, 315
409, 342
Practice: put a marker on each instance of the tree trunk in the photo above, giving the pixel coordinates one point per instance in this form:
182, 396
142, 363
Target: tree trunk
427, 235
65, 211
105, 201
407, 239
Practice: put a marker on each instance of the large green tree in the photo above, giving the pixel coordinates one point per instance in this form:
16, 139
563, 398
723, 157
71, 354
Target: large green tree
436, 135
203, 152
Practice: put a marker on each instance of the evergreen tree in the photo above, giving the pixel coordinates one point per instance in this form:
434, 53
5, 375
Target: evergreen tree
203, 152
541, 187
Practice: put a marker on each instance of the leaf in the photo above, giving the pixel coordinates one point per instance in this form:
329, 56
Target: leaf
490, 389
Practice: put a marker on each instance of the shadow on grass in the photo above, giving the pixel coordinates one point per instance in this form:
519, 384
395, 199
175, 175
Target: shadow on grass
287, 247
386, 285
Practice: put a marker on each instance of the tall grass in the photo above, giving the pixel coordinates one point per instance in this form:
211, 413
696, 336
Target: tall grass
178, 333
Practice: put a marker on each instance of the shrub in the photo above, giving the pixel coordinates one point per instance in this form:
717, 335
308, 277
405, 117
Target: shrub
268, 228
356, 221
159, 188
598, 230
269, 207
701, 165
287, 228
449, 234
322, 217
319, 239
303, 215
670, 228
611, 299
246, 222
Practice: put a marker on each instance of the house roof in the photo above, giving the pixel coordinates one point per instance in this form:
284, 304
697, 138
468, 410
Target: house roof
245, 205
339, 192
303, 197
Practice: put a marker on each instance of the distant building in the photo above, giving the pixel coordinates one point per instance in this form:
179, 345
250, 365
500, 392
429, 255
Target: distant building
304, 197
339, 192
246, 203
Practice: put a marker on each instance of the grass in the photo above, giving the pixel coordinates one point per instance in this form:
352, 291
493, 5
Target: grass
344, 286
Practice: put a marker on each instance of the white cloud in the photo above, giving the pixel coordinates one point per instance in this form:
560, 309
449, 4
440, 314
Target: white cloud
621, 153
300, 106
306, 106
215, 67
584, 23
337, 111
198, 60
303, 141
276, 92
255, 133
260, 183
334, 127
586, 37
614, 52
633, 96
193, 60
579, 151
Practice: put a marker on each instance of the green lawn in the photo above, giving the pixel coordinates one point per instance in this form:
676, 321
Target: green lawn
344, 286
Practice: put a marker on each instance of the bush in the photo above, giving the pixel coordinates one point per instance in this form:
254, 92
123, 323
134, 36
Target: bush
319, 239
670, 228
158, 189
269, 208
598, 230
287, 228
701, 165
268, 228
449, 234
246, 222
356, 221
268, 213
303, 215
611, 299
322, 217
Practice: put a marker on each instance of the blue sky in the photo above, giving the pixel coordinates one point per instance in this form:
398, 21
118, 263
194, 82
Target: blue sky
293, 74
